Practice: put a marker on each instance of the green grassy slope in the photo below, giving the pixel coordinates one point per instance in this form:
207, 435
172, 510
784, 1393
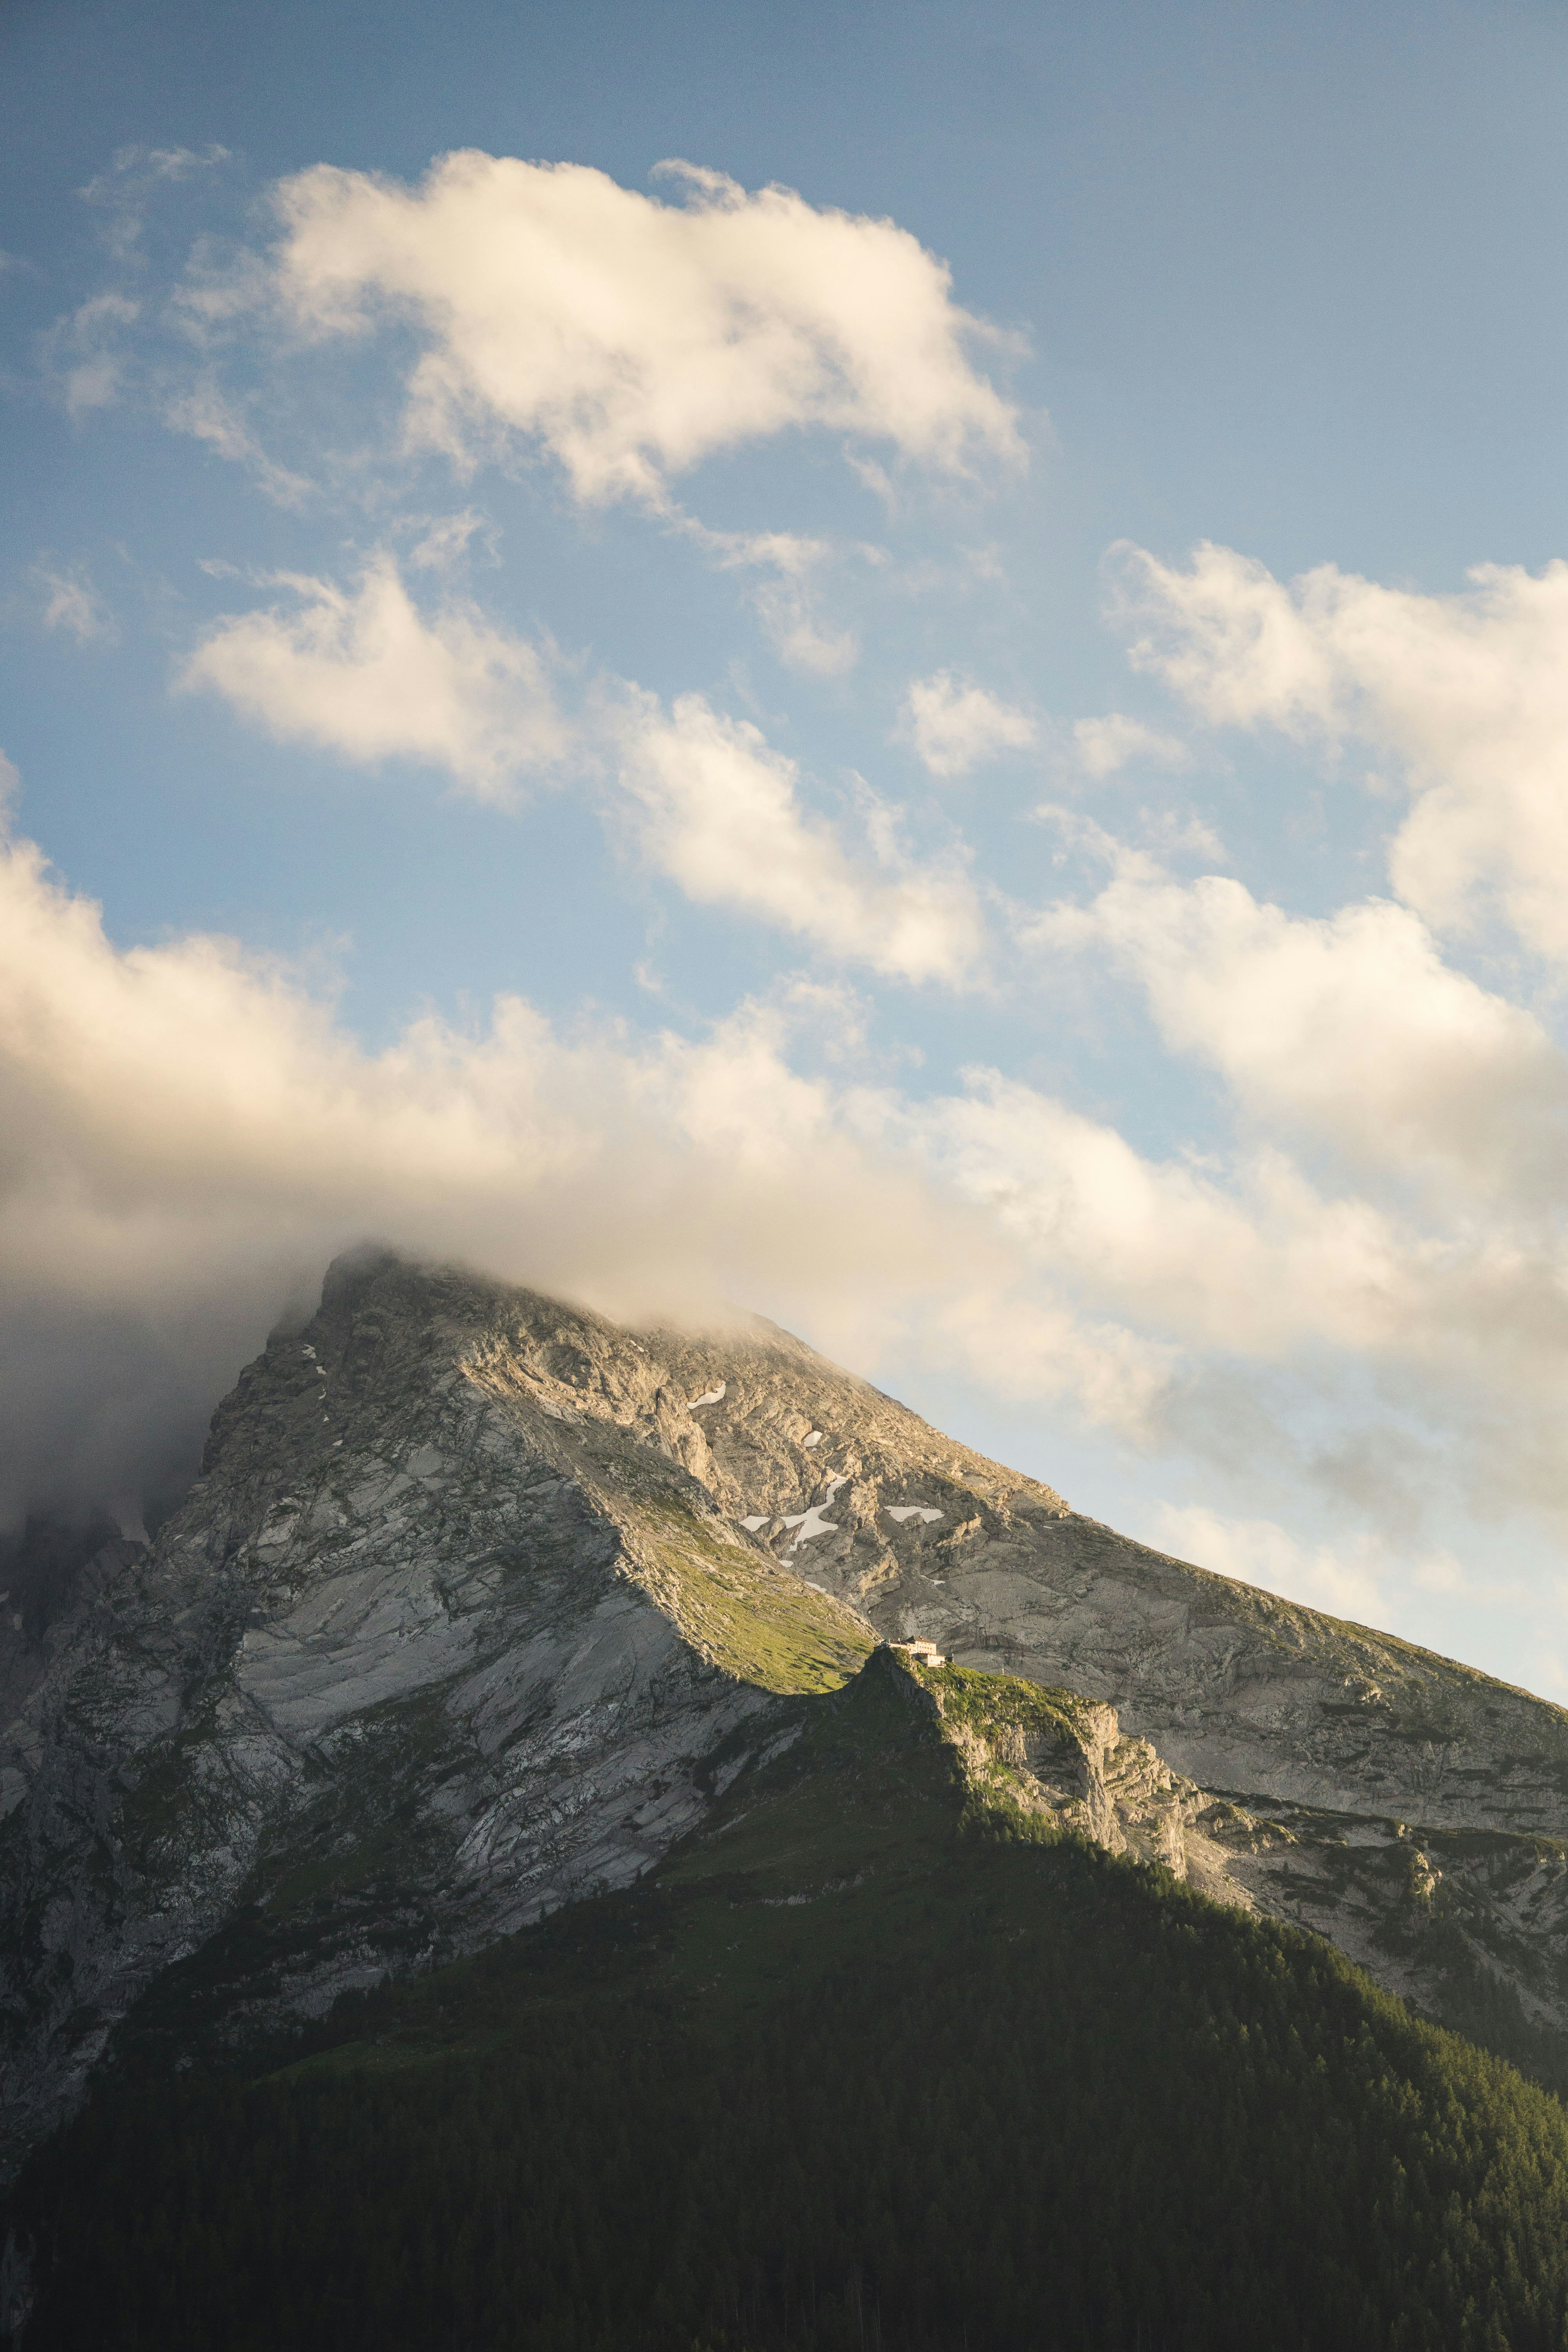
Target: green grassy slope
876, 2060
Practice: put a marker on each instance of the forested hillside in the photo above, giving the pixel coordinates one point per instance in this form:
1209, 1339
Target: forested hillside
879, 2058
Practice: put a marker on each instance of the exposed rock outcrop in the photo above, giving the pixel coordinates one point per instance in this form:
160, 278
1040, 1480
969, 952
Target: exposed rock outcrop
427, 1650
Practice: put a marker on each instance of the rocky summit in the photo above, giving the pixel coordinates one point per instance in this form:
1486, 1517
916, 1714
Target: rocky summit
481, 1602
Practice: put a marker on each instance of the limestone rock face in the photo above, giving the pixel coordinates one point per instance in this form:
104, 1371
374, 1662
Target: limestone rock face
479, 1599
1411, 1809
434, 1644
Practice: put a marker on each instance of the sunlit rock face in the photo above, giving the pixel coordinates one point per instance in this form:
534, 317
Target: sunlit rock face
428, 1650
479, 1599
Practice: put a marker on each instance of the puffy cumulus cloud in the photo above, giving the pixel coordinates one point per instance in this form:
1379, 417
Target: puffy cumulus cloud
187, 1135
1351, 1027
1248, 1258
1280, 1296
1433, 1269
1468, 692
955, 724
1232, 640
364, 674
719, 810
630, 338
1105, 746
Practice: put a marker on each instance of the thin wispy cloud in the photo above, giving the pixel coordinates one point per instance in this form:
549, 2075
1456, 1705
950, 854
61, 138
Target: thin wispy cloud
84, 357
70, 599
786, 570
121, 196
206, 412
1105, 746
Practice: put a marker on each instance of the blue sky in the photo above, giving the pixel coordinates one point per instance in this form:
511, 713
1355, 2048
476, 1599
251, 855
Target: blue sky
682, 743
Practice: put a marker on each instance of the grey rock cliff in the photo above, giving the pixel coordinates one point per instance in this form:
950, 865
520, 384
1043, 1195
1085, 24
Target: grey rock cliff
443, 1636
480, 1598
1408, 1807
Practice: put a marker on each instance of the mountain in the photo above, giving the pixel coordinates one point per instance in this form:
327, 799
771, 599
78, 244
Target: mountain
887, 2053
427, 1650
484, 1608
473, 1585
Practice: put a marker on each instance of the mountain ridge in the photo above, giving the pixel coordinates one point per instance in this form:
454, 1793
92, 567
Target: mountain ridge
886, 2052
480, 1598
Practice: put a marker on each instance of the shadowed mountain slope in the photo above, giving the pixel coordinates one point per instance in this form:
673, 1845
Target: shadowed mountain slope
887, 2053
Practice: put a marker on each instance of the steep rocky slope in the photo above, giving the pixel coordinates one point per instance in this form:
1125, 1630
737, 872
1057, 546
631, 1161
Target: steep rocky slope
425, 1652
481, 1599
1409, 1807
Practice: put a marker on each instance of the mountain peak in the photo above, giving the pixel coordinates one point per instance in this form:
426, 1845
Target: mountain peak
481, 1599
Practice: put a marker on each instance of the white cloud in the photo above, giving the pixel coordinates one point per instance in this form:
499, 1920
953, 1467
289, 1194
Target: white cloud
630, 338
1350, 1031
1025, 1344
444, 540
1349, 1026
367, 675
1105, 746
784, 599
83, 353
720, 811
71, 601
1248, 1258
207, 415
123, 193
189, 1136
362, 673
1279, 1297
1164, 833
1469, 692
955, 724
